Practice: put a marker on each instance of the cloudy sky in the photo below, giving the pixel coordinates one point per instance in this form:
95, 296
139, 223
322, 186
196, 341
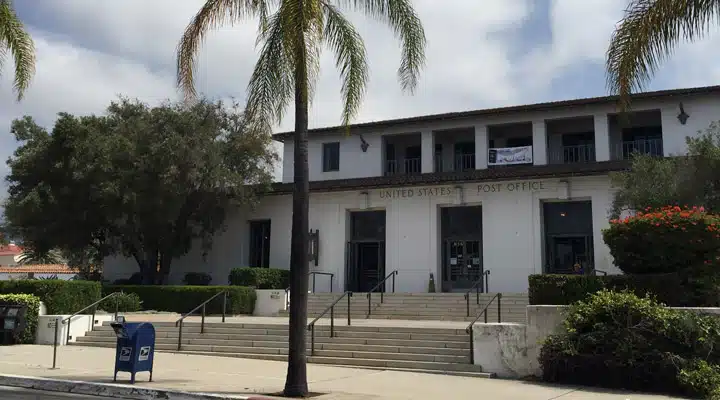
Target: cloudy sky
480, 54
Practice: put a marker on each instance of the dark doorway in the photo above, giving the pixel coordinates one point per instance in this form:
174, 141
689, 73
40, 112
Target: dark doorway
462, 253
568, 237
365, 266
259, 255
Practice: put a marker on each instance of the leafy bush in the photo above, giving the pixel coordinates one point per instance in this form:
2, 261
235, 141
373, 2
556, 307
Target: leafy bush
260, 278
60, 297
197, 279
31, 317
181, 299
126, 302
702, 379
619, 340
665, 240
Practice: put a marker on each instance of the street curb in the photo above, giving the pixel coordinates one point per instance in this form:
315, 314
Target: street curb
110, 389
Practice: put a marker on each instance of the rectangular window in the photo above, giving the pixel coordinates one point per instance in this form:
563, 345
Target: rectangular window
331, 156
259, 244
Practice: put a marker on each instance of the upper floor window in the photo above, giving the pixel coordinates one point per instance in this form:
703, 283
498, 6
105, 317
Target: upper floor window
331, 156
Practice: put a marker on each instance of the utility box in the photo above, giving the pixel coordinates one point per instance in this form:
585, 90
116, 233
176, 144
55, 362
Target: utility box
135, 350
12, 322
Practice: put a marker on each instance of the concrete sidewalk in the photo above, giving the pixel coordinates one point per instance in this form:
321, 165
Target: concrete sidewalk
234, 376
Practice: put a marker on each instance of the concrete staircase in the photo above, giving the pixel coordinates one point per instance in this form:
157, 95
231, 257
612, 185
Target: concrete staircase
422, 306
420, 349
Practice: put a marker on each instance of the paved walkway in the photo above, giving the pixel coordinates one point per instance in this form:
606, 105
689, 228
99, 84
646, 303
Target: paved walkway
241, 376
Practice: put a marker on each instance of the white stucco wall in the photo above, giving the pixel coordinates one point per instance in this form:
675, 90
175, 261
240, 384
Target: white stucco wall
512, 233
354, 163
7, 276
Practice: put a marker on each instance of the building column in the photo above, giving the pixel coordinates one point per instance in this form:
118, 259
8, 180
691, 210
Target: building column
540, 143
602, 137
481, 146
427, 152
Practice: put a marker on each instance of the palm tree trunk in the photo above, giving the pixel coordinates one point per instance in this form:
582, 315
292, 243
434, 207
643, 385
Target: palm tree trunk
296, 381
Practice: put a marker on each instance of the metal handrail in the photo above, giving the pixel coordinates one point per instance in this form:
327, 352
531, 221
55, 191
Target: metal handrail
313, 273
469, 329
596, 271
69, 320
331, 308
382, 293
478, 283
202, 321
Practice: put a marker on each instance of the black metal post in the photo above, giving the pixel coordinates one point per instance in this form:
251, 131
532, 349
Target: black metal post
331, 283
348, 297
467, 304
55, 344
393, 280
67, 336
180, 335
472, 350
312, 339
224, 305
202, 320
92, 321
369, 303
313, 285
117, 305
477, 294
332, 321
499, 307
382, 293
485, 313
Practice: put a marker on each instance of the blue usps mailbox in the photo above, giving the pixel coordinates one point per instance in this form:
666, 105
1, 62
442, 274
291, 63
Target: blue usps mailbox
135, 347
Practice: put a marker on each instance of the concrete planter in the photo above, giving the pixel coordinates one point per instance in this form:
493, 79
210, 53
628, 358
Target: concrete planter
269, 302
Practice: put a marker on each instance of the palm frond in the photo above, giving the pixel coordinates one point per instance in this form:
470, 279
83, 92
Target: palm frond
350, 58
270, 89
647, 35
18, 41
212, 15
405, 23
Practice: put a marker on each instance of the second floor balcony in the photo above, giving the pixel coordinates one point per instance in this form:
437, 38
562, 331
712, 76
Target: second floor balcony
407, 166
571, 154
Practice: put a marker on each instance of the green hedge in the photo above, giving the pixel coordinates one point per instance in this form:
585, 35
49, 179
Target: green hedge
60, 297
675, 290
126, 302
260, 278
31, 317
181, 299
621, 341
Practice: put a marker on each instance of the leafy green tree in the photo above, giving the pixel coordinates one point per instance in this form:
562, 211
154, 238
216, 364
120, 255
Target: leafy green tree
292, 34
647, 35
693, 179
15, 40
142, 182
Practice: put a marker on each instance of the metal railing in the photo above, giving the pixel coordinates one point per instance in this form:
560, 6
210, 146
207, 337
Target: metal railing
382, 292
477, 286
626, 149
331, 308
572, 154
412, 165
407, 167
469, 329
599, 272
464, 162
313, 273
202, 306
69, 321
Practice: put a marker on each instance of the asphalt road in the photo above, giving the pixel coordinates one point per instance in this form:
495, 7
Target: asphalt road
12, 393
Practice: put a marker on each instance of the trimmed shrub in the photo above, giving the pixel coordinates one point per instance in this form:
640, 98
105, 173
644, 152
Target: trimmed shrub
31, 317
260, 278
126, 302
181, 299
619, 340
197, 279
60, 297
665, 240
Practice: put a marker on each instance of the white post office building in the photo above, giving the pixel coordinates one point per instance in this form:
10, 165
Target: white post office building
498, 193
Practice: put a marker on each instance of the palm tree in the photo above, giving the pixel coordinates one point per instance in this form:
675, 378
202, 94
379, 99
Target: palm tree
17, 41
647, 35
292, 34
30, 256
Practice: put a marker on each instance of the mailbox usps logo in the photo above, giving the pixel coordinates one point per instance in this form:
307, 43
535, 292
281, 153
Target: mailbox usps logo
144, 353
125, 353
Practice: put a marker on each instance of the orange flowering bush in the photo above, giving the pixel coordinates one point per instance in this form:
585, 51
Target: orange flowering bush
663, 240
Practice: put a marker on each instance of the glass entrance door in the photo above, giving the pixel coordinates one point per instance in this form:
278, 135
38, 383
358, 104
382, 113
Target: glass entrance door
366, 265
463, 263
566, 252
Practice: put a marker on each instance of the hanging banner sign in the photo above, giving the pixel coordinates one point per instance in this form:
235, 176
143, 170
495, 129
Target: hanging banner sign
510, 155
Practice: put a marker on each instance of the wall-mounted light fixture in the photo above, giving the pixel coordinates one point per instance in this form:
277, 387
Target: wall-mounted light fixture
363, 144
314, 246
564, 190
459, 195
683, 116
364, 200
